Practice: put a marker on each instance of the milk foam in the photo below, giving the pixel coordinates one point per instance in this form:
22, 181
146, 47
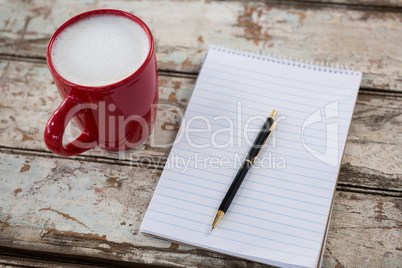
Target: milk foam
100, 50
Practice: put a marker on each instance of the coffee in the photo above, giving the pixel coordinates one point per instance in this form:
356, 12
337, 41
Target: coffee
100, 50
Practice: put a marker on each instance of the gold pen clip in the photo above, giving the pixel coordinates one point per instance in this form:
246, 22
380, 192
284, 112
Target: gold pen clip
273, 116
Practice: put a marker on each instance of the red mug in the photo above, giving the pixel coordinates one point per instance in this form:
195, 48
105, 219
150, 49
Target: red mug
114, 117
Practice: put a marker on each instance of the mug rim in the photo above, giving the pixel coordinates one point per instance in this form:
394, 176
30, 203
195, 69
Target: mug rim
90, 13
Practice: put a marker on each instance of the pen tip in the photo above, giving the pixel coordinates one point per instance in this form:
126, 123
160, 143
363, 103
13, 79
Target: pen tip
212, 228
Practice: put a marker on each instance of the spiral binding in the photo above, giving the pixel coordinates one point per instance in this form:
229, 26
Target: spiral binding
294, 62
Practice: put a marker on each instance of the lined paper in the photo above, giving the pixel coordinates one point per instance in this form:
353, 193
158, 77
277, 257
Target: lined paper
280, 213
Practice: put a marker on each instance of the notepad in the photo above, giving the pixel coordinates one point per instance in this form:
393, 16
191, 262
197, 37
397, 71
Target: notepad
280, 215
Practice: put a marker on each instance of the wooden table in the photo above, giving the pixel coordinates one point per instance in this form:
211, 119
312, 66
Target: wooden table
86, 210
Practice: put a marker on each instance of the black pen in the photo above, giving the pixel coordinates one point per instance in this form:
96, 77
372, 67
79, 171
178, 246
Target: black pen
248, 162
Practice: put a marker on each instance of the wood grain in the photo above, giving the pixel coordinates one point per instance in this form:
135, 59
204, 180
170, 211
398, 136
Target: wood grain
21, 260
367, 39
86, 210
378, 4
372, 156
95, 210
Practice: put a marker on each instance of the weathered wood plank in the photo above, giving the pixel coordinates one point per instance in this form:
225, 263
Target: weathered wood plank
95, 210
351, 3
85, 208
367, 39
24, 123
35, 261
365, 214
372, 157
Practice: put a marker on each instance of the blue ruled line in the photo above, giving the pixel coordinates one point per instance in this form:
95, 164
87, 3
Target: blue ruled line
183, 191
246, 197
276, 137
261, 175
235, 129
276, 105
279, 77
226, 238
272, 170
256, 182
237, 222
253, 124
252, 190
263, 201
260, 209
267, 96
248, 146
281, 130
166, 178
265, 176
231, 230
234, 203
184, 200
259, 125
263, 111
277, 146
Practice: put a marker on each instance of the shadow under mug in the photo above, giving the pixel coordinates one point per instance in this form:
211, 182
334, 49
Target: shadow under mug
114, 117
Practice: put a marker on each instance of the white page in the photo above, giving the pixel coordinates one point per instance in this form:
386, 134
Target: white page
280, 212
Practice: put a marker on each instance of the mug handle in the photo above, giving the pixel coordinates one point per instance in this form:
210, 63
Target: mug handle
56, 126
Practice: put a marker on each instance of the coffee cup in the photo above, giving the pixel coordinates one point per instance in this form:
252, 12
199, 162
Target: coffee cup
104, 66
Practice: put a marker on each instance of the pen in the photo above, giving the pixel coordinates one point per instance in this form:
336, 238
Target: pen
248, 162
